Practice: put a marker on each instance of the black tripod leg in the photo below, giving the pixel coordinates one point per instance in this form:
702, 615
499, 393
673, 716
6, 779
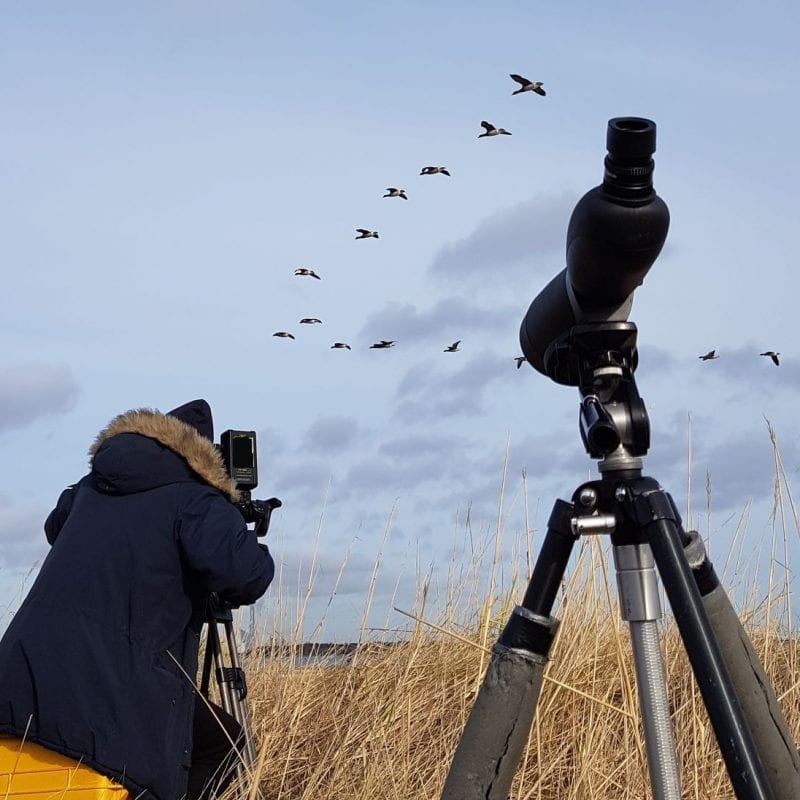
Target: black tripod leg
762, 711
657, 516
499, 724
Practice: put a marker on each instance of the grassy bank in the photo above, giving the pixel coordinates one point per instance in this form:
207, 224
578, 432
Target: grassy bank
386, 723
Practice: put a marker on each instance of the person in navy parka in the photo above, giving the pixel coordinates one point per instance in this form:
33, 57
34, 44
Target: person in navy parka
99, 661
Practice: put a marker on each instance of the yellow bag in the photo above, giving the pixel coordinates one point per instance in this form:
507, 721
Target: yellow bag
30, 772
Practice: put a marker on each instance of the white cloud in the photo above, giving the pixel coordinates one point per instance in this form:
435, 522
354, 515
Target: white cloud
448, 319
503, 245
428, 393
31, 391
332, 434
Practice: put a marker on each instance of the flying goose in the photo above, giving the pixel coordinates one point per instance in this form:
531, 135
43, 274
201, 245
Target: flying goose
774, 356
309, 320
382, 344
528, 86
340, 346
452, 348
709, 356
490, 130
309, 272
284, 334
365, 234
435, 171
392, 192
520, 360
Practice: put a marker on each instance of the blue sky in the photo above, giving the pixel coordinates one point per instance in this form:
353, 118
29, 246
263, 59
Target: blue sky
167, 166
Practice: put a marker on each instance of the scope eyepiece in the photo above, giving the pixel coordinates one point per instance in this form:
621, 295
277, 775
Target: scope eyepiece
631, 142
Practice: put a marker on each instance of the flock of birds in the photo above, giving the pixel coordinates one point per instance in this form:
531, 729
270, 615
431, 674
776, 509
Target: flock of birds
712, 354
489, 130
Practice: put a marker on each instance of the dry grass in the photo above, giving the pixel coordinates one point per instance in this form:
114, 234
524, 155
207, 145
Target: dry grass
386, 723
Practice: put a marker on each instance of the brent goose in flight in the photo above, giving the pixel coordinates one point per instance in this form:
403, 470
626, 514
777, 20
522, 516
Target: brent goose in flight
392, 192
452, 348
435, 171
309, 320
709, 356
774, 356
365, 234
382, 344
309, 272
340, 346
284, 334
528, 86
490, 130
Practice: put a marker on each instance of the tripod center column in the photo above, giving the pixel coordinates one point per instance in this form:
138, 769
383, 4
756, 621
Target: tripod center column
640, 606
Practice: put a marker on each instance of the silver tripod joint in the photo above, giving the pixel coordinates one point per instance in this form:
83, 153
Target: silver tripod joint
637, 582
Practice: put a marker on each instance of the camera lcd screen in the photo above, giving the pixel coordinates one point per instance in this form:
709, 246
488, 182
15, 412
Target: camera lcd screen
242, 447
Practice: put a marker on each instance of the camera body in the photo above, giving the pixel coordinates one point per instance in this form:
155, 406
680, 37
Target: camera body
239, 452
240, 455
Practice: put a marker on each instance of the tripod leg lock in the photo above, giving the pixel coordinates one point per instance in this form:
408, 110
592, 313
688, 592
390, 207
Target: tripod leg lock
655, 504
528, 632
235, 678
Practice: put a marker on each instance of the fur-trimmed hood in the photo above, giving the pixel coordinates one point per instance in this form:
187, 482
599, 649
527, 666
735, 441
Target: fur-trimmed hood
181, 438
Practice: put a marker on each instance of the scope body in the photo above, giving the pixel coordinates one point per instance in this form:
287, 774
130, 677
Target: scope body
615, 233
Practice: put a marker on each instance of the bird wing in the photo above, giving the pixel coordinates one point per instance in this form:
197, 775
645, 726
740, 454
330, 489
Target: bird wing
519, 79
362, 230
456, 344
488, 126
443, 170
539, 90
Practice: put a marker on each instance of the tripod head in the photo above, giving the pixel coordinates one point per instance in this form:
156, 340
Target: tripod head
257, 511
600, 359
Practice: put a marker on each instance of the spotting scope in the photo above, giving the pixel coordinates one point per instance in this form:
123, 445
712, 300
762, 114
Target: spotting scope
615, 233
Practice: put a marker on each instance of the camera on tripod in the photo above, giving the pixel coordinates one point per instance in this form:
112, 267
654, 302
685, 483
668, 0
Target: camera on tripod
240, 456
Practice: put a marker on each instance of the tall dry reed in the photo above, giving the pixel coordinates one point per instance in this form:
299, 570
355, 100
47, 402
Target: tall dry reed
385, 722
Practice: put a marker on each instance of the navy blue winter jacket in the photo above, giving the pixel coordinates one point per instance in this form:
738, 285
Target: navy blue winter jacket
89, 666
